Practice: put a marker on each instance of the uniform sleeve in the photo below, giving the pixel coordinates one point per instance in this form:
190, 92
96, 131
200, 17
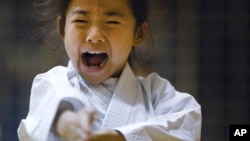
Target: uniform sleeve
42, 109
176, 115
44, 100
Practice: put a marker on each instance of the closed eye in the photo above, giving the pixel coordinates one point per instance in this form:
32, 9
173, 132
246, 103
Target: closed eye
81, 21
113, 22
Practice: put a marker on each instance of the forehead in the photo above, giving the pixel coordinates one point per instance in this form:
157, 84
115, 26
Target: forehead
99, 6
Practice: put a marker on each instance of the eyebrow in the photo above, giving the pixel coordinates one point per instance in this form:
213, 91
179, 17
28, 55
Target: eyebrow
78, 11
114, 13
109, 13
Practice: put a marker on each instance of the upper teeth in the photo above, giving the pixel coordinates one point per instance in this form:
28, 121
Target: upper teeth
95, 52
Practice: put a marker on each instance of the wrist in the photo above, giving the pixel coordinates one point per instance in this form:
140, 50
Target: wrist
62, 108
108, 135
62, 123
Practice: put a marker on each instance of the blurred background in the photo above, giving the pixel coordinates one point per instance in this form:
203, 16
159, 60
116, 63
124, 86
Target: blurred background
201, 47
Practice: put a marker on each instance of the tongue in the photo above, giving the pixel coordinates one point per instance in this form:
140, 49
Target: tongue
96, 59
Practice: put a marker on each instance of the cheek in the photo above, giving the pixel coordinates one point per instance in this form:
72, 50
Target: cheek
72, 40
121, 53
71, 48
122, 45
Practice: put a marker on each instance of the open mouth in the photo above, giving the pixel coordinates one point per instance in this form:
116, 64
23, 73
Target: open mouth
95, 60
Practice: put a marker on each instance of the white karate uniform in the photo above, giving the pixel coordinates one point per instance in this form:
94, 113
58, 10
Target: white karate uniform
141, 108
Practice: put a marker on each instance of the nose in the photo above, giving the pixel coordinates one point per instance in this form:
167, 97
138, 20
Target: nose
95, 35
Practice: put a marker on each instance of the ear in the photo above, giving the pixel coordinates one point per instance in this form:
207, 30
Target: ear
141, 34
61, 27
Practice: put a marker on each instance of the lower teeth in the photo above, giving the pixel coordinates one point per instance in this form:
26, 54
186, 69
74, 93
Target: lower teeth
103, 63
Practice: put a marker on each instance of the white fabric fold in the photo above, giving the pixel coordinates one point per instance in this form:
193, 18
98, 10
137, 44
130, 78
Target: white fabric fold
141, 108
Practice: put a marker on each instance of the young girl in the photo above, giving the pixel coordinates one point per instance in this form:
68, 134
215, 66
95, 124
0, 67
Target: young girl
97, 96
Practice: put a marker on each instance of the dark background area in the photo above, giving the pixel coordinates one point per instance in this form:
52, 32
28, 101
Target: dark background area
202, 47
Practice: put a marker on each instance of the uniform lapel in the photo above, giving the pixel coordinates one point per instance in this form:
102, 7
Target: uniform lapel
99, 95
121, 104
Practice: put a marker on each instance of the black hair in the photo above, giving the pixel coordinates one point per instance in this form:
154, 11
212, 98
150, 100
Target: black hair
46, 13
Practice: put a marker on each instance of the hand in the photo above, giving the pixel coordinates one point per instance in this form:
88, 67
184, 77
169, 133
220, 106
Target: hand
106, 135
73, 126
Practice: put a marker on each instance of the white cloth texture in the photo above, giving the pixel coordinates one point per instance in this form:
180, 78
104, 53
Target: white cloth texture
141, 108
